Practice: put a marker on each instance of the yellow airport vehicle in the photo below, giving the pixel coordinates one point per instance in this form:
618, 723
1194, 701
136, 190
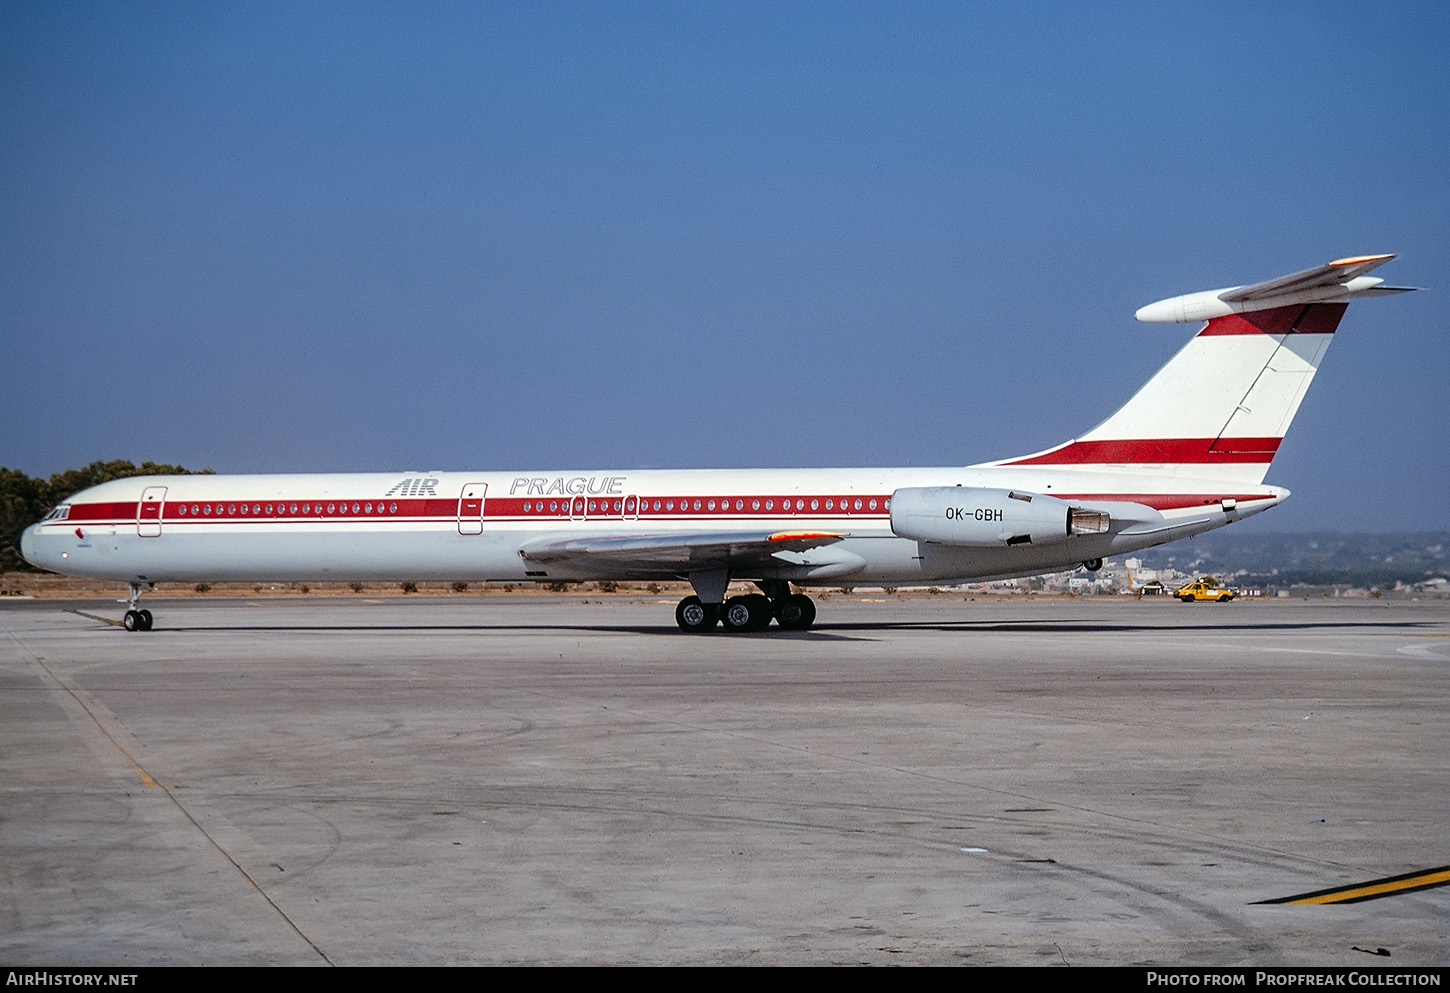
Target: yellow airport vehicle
1204, 588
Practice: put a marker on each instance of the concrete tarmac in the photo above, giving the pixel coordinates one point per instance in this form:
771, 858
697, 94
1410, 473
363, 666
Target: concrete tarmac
532, 779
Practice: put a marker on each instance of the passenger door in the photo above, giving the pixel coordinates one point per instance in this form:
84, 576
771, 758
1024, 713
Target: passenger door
470, 508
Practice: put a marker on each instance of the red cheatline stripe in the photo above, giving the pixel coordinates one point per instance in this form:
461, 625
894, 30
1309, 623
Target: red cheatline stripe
303, 511
101, 511
1153, 451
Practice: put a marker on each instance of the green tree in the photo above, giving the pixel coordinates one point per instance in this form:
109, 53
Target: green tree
26, 499
22, 502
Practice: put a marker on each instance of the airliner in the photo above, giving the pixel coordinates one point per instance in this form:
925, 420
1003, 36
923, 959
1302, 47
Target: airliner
1187, 454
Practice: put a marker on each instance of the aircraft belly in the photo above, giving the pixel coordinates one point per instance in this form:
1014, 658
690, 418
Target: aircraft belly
437, 553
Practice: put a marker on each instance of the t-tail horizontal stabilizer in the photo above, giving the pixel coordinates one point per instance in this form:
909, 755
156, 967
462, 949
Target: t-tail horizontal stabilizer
1335, 282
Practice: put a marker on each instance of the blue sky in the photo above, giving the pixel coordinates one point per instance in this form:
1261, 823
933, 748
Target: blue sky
327, 237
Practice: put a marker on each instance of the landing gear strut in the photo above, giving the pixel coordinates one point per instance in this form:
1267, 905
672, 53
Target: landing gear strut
136, 620
751, 612
793, 611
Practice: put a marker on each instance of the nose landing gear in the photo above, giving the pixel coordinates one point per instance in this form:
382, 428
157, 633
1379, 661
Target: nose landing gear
136, 620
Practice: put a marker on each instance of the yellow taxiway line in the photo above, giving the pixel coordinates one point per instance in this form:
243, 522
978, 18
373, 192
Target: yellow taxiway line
1424, 879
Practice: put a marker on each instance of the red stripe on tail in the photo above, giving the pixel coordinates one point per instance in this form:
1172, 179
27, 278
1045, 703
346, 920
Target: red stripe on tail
1154, 451
1315, 318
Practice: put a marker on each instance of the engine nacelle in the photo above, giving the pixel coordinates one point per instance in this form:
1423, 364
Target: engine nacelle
974, 515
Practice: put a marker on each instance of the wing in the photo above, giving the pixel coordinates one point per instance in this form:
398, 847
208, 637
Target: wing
681, 554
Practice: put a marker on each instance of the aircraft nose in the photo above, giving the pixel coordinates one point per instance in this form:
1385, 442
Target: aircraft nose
25, 544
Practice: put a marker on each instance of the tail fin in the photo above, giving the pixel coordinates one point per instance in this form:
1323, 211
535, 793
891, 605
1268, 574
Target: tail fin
1221, 406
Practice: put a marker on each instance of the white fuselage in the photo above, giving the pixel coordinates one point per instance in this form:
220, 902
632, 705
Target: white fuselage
480, 525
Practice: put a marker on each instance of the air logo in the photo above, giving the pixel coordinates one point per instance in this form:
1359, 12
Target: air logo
413, 487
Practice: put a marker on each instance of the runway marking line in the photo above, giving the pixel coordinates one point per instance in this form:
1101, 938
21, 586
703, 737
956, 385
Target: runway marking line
146, 778
1410, 882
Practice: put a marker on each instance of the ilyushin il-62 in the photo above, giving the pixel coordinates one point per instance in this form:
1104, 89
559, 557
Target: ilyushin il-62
1188, 453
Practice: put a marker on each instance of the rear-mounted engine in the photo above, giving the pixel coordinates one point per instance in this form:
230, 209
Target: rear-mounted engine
970, 515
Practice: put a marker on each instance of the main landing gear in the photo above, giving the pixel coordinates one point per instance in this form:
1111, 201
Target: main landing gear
136, 620
751, 612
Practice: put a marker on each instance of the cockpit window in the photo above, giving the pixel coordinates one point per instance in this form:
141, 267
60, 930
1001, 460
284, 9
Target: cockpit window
58, 513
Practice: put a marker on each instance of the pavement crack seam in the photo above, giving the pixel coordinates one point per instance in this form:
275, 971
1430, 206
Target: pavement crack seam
153, 784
